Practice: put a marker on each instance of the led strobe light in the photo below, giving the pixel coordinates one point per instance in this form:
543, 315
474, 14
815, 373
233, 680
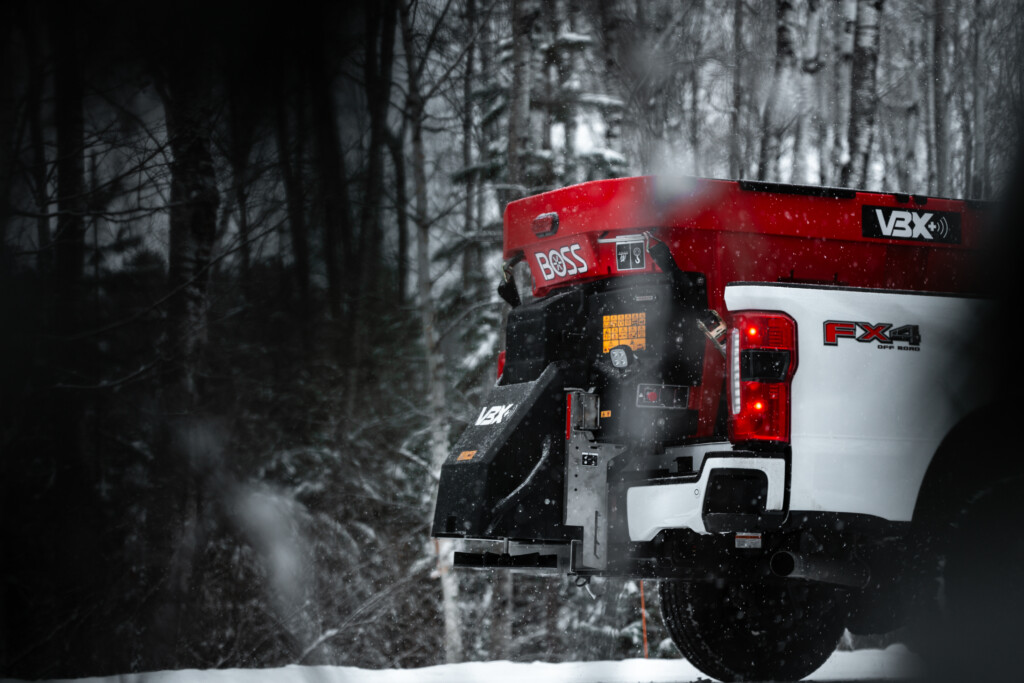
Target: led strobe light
734, 369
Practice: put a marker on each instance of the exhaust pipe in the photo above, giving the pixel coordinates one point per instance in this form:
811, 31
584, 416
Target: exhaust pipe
851, 573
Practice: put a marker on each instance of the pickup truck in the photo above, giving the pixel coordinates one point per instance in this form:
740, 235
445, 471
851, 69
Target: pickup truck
767, 397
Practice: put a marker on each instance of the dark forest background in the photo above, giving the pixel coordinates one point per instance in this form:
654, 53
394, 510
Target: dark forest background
246, 291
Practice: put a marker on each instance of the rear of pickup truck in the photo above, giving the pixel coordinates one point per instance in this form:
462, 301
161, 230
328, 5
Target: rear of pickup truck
856, 392
883, 378
738, 389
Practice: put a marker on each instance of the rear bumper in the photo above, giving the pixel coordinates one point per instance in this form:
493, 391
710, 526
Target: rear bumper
732, 490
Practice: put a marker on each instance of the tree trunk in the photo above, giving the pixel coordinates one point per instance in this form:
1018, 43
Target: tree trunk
40, 177
940, 73
779, 113
295, 204
332, 177
364, 263
695, 84
69, 239
976, 185
863, 97
962, 47
240, 145
193, 226
8, 123
841, 148
72, 481
546, 62
377, 62
396, 144
906, 128
810, 66
826, 104
192, 232
435, 384
524, 13
471, 259
929, 104
614, 18
736, 163
502, 582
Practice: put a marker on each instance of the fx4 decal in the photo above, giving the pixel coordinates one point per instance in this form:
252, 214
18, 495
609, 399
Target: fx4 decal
883, 334
902, 224
492, 415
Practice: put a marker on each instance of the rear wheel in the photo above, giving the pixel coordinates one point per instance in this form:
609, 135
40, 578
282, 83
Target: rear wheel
982, 588
739, 631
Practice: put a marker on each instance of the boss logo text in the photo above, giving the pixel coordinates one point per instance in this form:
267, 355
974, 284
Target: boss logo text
561, 262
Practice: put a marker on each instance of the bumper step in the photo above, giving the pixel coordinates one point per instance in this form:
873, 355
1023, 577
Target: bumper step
504, 561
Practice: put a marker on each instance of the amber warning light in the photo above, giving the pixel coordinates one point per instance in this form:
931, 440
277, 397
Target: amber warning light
545, 224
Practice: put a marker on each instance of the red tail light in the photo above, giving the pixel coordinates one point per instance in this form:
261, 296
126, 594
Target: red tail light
762, 360
501, 363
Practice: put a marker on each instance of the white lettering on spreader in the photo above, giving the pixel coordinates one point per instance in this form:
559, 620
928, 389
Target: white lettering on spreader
561, 262
898, 224
492, 415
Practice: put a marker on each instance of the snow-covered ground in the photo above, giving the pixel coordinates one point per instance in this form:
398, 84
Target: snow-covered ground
894, 662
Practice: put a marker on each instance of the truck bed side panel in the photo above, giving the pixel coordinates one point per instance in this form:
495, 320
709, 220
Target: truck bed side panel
867, 416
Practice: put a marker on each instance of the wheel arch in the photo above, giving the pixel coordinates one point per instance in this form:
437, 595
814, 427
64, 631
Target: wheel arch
974, 453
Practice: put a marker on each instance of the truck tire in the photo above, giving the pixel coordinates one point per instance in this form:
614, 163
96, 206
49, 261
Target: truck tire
983, 587
742, 631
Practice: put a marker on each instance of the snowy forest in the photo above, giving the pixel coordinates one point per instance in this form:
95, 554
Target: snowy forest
247, 285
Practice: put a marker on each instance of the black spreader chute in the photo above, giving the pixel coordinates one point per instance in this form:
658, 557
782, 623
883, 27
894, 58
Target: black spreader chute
504, 477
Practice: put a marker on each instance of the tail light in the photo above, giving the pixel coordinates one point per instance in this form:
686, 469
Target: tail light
501, 364
762, 360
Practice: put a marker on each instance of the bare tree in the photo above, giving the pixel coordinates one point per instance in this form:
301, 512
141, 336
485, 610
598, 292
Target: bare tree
524, 13
329, 159
185, 90
69, 238
779, 113
415, 113
975, 183
295, 203
8, 143
396, 146
615, 31
40, 179
940, 74
736, 165
809, 85
241, 134
863, 93
363, 263
471, 259
843, 72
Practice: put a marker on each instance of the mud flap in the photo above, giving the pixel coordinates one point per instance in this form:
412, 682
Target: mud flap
505, 476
